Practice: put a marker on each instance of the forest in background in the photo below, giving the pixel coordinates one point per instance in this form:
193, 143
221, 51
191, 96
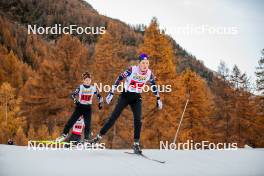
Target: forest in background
38, 73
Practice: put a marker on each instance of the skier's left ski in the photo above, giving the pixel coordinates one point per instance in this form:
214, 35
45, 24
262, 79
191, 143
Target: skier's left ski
146, 157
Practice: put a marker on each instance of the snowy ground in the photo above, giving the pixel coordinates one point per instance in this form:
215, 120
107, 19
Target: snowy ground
18, 161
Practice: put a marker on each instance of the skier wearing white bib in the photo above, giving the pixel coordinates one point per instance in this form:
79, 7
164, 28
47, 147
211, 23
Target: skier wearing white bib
77, 129
82, 97
135, 78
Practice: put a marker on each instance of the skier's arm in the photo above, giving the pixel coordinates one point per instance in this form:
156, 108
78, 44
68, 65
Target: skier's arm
75, 93
122, 76
117, 82
155, 91
99, 97
154, 86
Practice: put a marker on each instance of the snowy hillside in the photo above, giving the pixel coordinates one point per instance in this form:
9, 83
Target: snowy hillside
18, 161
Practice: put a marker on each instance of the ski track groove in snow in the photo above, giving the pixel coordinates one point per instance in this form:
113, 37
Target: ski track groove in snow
18, 161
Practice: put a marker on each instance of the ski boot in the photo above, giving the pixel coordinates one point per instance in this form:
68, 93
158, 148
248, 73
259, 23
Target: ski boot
87, 141
96, 139
136, 148
61, 138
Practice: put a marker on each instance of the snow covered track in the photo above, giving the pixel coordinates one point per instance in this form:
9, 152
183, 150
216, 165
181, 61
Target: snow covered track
18, 161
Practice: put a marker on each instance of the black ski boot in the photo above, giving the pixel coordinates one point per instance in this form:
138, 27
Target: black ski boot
136, 148
87, 141
96, 139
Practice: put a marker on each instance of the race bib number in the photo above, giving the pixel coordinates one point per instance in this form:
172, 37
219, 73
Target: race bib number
85, 97
78, 126
136, 85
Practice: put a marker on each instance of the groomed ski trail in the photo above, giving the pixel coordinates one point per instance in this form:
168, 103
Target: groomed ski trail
16, 160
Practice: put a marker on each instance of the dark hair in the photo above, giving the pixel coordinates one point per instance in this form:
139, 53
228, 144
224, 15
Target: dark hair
86, 75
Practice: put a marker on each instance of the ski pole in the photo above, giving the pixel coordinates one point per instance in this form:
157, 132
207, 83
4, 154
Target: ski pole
176, 134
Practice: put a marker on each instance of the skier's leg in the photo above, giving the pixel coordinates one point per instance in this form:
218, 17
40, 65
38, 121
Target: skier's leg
121, 104
137, 113
75, 116
136, 108
87, 114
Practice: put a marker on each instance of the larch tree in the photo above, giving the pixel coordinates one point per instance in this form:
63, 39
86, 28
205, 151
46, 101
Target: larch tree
222, 88
43, 132
258, 124
107, 64
161, 125
198, 116
243, 109
73, 58
10, 118
31, 133
46, 95
20, 138
12, 69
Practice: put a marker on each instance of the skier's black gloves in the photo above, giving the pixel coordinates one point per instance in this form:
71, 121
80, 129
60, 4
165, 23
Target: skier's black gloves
76, 101
100, 106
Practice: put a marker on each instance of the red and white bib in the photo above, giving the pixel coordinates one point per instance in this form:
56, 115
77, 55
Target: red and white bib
86, 94
78, 126
136, 81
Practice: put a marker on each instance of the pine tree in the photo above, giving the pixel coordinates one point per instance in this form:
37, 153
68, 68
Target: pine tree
223, 70
235, 77
243, 110
260, 74
257, 125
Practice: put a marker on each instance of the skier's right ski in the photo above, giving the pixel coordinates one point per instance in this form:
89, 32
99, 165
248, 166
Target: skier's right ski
146, 157
49, 142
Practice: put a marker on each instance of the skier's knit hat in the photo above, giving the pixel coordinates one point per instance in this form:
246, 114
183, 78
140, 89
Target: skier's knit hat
143, 56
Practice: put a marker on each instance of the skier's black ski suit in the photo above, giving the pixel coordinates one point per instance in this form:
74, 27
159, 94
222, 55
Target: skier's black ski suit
134, 101
129, 98
81, 109
86, 111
